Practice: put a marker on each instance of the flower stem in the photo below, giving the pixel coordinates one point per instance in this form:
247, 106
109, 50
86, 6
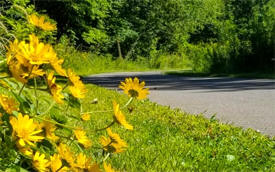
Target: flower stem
21, 89
35, 94
129, 101
65, 86
112, 123
126, 104
25, 83
106, 157
56, 123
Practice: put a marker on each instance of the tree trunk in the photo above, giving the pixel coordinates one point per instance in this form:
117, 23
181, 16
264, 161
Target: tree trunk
119, 49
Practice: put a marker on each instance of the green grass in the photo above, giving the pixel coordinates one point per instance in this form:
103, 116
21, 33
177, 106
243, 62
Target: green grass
164, 139
233, 75
92, 64
87, 63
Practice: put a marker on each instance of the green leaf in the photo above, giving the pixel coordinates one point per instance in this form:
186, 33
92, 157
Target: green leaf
16, 169
25, 104
58, 116
73, 102
14, 85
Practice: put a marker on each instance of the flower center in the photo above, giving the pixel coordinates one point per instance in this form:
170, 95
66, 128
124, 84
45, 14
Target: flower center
133, 93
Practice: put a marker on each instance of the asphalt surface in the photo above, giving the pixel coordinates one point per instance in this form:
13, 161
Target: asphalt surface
249, 103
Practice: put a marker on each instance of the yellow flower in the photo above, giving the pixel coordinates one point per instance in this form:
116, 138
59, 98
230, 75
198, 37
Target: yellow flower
117, 142
54, 88
108, 168
55, 163
34, 52
65, 153
40, 22
8, 104
33, 71
113, 143
25, 129
86, 117
64, 169
82, 161
105, 142
57, 65
39, 162
26, 150
94, 168
134, 89
17, 71
82, 138
11, 50
25, 59
77, 89
73, 77
23, 73
49, 129
120, 118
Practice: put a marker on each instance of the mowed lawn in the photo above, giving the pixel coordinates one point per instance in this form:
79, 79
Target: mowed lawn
167, 140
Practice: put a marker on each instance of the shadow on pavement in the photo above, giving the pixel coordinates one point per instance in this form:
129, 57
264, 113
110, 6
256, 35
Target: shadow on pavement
169, 82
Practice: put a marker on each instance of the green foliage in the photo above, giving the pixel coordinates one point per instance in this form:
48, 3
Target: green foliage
81, 19
8, 156
95, 63
13, 25
241, 31
96, 38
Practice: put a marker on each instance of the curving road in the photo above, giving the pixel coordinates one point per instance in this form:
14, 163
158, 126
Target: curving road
249, 103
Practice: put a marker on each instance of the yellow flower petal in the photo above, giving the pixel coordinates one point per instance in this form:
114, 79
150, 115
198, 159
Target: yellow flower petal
82, 161
49, 130
39, 162
108, 167
114, 143
54, 88
26, 130
66, 154
40, 22
86, 117
82, 138
77, 88
8, 104
55, 163
120, 118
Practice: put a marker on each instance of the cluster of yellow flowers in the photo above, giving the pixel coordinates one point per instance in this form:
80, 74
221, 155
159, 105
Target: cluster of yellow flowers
33, 59
27, 60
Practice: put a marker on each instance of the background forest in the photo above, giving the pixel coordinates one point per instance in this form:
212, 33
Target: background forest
205, 35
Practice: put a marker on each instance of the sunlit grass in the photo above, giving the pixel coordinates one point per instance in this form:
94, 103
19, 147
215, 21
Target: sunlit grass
170, 140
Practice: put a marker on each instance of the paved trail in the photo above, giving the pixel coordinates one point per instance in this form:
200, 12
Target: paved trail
243, 102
